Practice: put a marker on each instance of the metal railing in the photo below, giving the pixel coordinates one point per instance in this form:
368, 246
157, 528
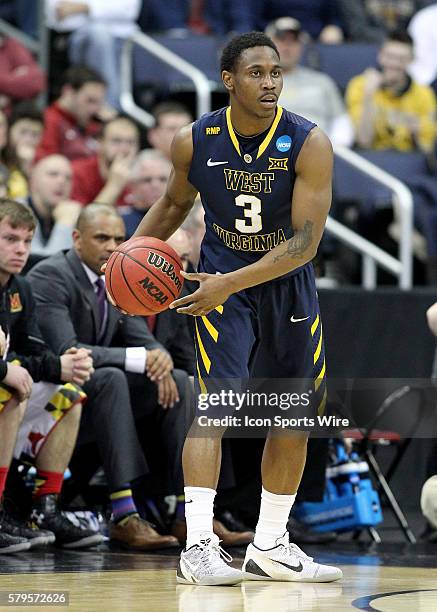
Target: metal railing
402, 267
149, 44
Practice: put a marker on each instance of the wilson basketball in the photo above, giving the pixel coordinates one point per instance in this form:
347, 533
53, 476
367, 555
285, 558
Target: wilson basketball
143, 276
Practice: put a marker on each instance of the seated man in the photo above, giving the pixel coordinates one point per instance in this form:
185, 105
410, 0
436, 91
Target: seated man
169, 117
149, 177
134, 376
56, 214
70, 126
97, 33
105, 176
308, 92
51, 413
389, 109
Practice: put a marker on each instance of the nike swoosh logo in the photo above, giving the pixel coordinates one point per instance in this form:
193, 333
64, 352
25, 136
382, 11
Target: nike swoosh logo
211, 163
294, 568
190, 570
294, 320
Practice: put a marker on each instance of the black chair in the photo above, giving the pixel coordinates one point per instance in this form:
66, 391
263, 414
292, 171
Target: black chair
396, 421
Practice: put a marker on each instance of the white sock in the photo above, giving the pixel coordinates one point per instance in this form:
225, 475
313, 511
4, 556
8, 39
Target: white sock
199, 511
273, 518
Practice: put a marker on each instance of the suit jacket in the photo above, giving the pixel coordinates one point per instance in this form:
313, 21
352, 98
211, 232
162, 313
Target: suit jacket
68, 313
173, 332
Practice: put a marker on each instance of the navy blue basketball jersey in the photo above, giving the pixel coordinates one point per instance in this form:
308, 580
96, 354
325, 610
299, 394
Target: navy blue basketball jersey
246, 195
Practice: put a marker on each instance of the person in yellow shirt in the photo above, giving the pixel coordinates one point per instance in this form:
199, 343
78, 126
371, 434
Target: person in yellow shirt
390, 110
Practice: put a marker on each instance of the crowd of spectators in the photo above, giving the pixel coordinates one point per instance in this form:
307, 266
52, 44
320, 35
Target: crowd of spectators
75, 181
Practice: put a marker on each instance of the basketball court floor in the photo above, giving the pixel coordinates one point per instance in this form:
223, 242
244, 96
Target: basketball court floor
386, 577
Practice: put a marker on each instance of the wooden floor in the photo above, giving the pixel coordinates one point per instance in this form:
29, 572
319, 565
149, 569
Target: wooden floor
115, 581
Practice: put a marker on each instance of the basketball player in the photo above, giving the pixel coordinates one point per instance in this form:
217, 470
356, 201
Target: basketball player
264, 176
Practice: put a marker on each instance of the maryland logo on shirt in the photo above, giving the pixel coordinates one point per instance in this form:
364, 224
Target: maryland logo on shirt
15, 302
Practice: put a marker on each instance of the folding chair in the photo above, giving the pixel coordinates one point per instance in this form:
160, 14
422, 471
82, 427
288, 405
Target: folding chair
382, 430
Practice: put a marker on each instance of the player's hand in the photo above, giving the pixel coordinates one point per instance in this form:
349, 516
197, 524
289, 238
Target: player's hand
19, 379
76, 365
168, 393
212, 292
159, 364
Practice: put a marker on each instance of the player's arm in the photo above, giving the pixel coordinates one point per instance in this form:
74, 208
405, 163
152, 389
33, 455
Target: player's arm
310, 206
169, 212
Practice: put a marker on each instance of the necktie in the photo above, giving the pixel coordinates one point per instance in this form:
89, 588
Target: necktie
101, 301
151, 322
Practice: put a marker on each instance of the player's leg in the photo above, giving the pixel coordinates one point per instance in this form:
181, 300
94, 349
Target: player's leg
56, 417
295, 350
224, 341
11, 414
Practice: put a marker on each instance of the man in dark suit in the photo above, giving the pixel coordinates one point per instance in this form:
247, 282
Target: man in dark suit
134, 375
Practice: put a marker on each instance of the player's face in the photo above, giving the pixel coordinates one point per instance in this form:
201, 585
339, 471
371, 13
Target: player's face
88, 100
51, 181
120, 139
98, 239
257, 82
15, 245
150, 182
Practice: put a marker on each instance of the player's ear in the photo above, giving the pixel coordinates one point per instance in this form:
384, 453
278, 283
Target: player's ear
228, 80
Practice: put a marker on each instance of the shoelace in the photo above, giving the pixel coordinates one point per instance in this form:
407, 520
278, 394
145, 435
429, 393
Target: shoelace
214, 552
295, 550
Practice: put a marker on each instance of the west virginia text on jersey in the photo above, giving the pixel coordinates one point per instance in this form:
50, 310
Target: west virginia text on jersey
246, 186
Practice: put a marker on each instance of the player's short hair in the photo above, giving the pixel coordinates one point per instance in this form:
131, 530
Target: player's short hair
399, 35
18, 214
78, 76
235, 47
90, 212
169, 108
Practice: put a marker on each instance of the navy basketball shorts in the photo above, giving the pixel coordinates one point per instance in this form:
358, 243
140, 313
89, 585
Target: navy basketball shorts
272, 331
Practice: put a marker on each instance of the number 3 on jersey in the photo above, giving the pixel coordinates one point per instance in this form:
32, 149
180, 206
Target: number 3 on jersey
253, 213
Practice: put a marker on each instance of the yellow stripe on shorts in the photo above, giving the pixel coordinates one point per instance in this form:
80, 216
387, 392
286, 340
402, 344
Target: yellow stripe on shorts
206, 360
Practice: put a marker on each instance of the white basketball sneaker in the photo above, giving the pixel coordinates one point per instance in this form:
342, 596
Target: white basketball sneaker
206, 564
286, 562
